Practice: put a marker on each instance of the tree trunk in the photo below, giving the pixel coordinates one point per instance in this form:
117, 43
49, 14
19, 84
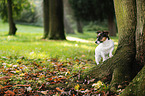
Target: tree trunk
12, 27
56, 24
111, 25
46, 18
67, 15
67, 8
137, 86
68, 28
126, 20
79, 26
140, 33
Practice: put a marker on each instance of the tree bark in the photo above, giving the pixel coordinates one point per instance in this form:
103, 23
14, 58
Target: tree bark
67, 17
137, 86
12, 27
79, 26
126, 19
46, 18
56, 24
111, 25
68, 28
140, 33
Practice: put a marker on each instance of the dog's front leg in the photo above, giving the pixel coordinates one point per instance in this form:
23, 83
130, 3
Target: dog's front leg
110, 53
103, 56
97, 59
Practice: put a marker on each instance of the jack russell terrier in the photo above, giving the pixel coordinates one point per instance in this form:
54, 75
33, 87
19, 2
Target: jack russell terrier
105, 47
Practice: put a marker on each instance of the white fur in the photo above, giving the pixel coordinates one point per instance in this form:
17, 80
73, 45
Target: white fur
103, 50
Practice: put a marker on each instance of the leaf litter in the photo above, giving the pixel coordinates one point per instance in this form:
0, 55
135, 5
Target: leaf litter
34, 77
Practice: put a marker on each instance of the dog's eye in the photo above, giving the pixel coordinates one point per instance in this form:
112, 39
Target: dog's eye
99, 38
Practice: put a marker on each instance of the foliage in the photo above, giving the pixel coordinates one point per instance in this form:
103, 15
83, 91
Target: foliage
3, 10
93, 26
17, 6
92, 9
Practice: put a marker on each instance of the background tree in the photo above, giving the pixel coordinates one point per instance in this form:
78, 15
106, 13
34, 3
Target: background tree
10, 10
124, 67
12, 27
3, 10
68, 17
56, 24
86, 10
67, 25
76, 6
79, 25
46, 18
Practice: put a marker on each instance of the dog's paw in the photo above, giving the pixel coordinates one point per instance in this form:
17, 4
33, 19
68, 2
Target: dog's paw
110, 56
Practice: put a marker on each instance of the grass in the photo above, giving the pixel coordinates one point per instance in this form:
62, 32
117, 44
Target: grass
28, 43
36, 62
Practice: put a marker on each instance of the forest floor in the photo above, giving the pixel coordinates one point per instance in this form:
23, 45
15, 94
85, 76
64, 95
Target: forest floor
31, 66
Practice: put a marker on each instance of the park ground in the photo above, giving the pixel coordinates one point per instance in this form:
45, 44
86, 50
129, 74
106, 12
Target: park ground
32, 66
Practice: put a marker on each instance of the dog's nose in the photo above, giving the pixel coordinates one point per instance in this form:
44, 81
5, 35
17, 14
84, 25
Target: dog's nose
96, 42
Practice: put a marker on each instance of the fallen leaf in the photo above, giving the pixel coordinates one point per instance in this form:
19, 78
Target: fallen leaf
77, 87
21, 90
29, 89
58, 89
77, 60
6, 86
44, 92
120, 86
83, 55
4, 78
10, 93
22, 74
23, 85
42, 86
48, 79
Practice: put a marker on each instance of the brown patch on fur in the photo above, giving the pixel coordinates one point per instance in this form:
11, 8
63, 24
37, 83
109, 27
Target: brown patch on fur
103, 39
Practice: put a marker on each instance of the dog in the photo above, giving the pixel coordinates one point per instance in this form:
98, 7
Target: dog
105, 46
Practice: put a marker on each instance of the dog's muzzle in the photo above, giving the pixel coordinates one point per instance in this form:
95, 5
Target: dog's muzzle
98, 42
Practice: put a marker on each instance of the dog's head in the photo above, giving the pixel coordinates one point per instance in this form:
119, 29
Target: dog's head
101, 36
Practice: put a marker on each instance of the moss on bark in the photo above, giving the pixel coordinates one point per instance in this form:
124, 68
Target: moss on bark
137, 86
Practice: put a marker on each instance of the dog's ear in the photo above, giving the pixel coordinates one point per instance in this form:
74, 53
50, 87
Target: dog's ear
106, 32
98, 32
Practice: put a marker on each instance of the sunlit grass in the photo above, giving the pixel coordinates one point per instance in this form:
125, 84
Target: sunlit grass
45, 49
28, 43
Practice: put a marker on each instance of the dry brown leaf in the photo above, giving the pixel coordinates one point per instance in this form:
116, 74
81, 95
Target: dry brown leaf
44, 92
4, 78
23, 85
58, 89
6, 86
11, 93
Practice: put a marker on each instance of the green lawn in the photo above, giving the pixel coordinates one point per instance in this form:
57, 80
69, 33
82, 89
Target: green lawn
27, 42
30, 63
